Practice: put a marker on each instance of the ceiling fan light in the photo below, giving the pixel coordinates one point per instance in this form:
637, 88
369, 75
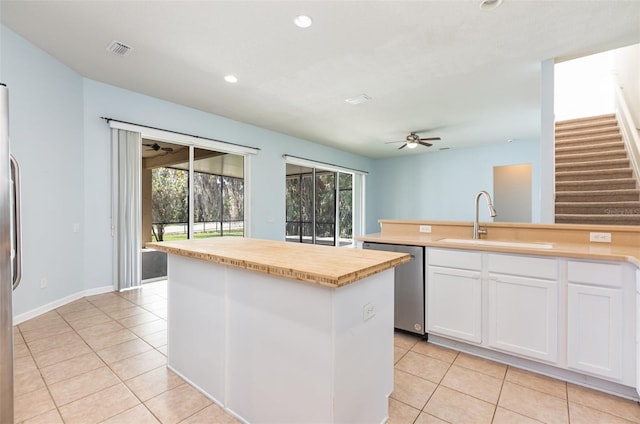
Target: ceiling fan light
412, 145
231, 79
303, 21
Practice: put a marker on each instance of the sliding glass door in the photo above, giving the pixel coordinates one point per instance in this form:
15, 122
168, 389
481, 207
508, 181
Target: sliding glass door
190, 192
319, 206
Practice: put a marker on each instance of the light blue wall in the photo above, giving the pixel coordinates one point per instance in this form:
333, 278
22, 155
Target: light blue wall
47, 139
442, 185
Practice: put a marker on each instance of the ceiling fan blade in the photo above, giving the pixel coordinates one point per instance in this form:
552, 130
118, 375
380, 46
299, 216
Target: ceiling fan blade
430, 138
403, 146
425, 144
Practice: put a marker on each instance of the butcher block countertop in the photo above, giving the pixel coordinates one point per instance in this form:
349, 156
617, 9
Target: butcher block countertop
565, 240
325, 265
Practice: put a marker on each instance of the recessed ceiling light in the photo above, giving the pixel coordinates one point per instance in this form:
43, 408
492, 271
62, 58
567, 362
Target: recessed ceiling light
303, 21
358, 99
490, 4
231, 79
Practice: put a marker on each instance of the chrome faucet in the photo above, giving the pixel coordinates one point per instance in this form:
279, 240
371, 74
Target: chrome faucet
476, 224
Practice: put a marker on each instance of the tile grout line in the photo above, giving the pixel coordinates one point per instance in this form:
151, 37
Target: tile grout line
120, 380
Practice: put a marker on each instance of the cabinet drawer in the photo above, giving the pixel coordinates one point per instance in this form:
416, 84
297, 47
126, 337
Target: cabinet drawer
455, 259
601, 274
524, 265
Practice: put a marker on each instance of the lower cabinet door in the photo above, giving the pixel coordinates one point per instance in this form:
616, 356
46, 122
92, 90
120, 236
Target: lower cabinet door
595, 330
454, 303
523, 316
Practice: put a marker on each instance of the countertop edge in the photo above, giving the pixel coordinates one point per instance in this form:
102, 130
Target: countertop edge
560, 251
285, 272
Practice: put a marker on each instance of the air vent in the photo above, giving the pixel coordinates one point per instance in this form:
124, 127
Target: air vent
118, 48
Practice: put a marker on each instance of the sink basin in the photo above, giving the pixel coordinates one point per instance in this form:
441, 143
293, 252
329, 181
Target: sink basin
522, 245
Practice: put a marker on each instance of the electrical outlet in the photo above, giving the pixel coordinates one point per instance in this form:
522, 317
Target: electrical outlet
425, 228
600, 237
43, 283
76, 228
368, 311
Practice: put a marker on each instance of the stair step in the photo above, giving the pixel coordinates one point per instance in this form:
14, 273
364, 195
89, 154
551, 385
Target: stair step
594, 181
594, 185
598, 208
604, 132
563, 157
623, 195
589, 175
624, 219
590, 147
599, 165
588, 140
586, 120
600, 126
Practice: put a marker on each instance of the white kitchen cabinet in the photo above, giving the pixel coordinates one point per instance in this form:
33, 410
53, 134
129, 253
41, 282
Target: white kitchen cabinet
523, 316
580, 317
522, 307
595, 319
454, 303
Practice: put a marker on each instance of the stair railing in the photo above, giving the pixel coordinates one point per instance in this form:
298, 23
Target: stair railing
628, 130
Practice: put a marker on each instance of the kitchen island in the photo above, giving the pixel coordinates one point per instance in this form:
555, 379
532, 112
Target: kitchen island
283, 332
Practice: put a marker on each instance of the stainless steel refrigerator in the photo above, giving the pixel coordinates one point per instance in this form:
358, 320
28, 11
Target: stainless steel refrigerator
10, 256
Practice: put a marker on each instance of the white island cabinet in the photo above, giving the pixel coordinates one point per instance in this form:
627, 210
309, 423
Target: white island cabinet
274, 338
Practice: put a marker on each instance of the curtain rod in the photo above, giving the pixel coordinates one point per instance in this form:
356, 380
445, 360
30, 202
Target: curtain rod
178, 132
285, 156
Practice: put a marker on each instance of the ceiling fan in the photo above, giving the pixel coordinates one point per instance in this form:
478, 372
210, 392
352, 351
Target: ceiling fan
155, 147
413, 139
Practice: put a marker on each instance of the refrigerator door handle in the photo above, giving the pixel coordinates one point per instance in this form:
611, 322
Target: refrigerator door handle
17, 222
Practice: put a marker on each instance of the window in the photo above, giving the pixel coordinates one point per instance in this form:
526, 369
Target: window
320, 205
216, 187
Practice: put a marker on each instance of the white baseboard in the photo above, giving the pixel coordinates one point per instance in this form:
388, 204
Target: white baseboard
25, 316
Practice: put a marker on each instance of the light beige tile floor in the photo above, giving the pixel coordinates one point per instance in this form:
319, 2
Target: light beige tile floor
103, 359
438, 385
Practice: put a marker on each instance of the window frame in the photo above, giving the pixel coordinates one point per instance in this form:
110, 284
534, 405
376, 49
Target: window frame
357, 189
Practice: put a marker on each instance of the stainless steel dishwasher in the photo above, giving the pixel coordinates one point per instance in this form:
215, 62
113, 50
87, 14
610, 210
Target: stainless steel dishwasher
409, 287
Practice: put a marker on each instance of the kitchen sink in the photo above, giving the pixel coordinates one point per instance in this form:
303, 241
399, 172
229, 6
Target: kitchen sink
480, 242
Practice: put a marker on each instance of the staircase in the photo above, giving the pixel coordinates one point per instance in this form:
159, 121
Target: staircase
594, 180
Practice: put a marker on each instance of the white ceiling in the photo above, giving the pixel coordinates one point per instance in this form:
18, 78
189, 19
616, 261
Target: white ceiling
446, 68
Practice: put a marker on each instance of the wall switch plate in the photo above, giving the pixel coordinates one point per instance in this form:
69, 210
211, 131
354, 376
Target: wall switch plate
368, 312
425, 228
43, 283
600, 237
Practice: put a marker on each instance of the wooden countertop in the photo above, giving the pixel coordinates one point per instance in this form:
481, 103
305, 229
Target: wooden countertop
325, 265
570, 241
